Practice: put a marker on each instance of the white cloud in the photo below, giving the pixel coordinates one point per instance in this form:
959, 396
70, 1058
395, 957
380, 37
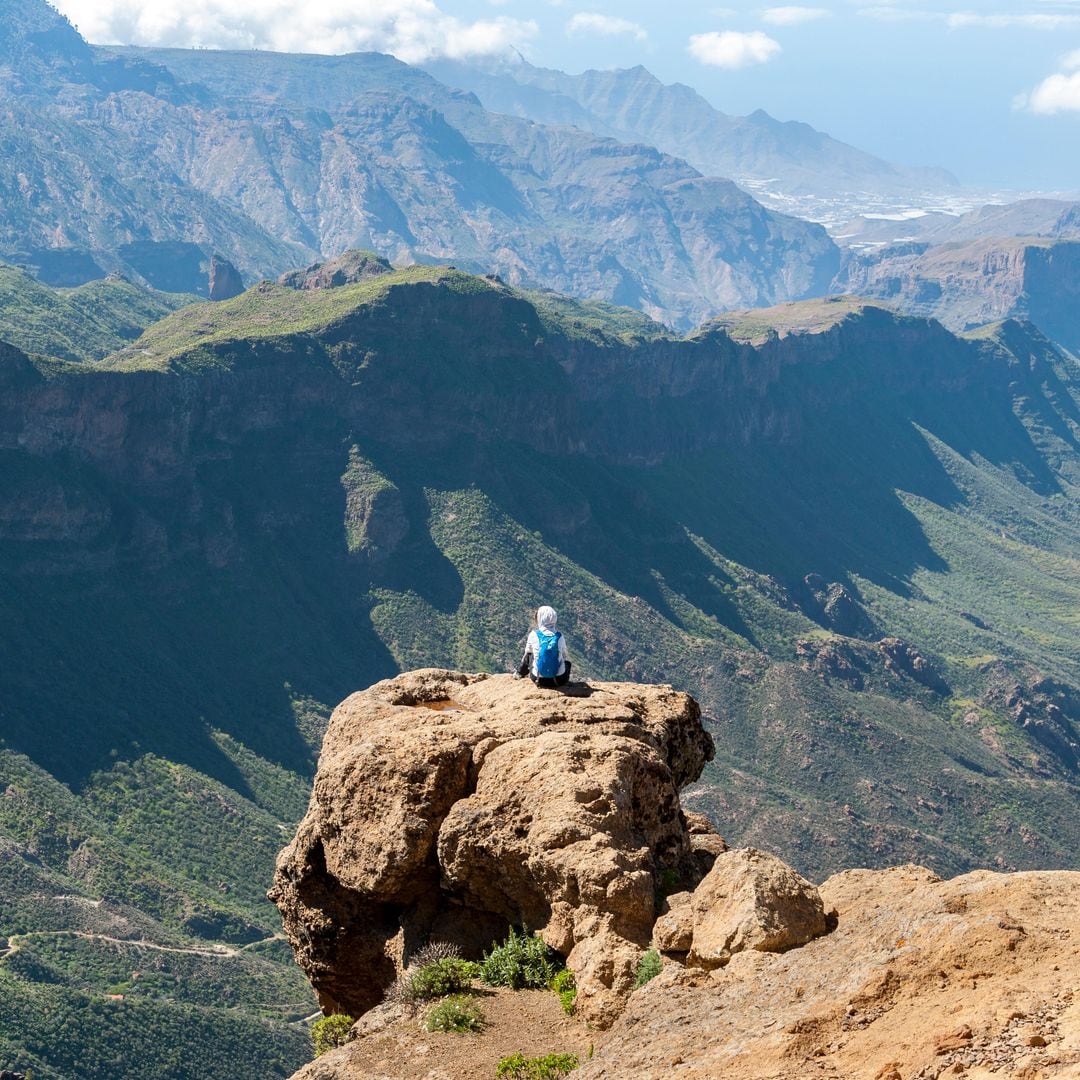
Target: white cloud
413, 30
590, 22
1058, 93
963, 20
731, 49
792, 16
959, 20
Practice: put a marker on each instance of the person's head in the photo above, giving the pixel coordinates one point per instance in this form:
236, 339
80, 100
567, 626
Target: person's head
546, 619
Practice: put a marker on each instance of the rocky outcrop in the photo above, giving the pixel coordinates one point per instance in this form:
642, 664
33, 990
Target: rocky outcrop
225, 279
751, 900
347, 269
901, 658
857, 663
833, 605
450, 807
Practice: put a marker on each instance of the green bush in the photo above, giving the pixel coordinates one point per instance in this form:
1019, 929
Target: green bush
448, 976
548, 1067
459, 1014
330, 1032
565, 986
522, 962
648, 968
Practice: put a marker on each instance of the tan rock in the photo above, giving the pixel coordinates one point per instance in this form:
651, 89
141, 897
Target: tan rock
454, 806
867, 999
752, 900
954, 1040
673, 931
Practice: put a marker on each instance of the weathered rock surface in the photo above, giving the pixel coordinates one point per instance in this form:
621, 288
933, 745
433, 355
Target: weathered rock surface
451, 806
748, 900
347, 269
751, 900
225, 279
921, 978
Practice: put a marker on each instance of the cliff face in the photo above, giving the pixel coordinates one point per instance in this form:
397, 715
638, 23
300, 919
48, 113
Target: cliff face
969, 284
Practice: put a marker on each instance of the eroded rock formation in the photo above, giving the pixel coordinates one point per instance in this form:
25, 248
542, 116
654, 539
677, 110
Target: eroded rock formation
451, 806
225, 279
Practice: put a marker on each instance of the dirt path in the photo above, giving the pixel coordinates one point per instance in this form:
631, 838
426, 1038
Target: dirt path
16, 941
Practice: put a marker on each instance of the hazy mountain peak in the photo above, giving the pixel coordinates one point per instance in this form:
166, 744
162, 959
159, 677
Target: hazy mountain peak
777, 160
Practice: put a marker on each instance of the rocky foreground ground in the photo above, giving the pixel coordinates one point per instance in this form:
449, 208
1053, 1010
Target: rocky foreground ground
448, 807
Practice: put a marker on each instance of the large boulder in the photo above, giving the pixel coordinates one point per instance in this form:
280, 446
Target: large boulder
449, 807
752, 900
748, 900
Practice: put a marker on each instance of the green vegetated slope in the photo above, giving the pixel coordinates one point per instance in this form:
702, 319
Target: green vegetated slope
136, 939
84, 323
852, 535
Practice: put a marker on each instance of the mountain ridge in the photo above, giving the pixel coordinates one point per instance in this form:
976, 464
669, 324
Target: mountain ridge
788, 159
273, 160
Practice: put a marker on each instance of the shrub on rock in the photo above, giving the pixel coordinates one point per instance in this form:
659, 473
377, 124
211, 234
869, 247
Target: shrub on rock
522, 962
459, 1014
329, 1032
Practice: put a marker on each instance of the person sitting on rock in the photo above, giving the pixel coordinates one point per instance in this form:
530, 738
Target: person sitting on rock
545, 652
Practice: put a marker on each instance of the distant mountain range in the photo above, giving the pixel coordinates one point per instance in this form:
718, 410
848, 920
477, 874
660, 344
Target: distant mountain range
149, 161
786, 164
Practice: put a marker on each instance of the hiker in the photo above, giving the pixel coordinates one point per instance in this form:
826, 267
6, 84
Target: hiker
545, 653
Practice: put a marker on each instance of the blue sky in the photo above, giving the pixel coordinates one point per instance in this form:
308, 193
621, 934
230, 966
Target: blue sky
990, 89
902, 80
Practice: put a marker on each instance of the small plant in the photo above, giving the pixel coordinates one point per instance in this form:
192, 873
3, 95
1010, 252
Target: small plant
667, 883
459, 1014
566, 987
432, 951
330, 1032
522, 962
548, 1067
648, 968
441, 977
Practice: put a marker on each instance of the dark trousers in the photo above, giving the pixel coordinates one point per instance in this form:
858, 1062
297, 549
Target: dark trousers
550, 684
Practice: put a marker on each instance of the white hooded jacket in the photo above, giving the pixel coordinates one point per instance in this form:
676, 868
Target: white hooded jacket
546, 620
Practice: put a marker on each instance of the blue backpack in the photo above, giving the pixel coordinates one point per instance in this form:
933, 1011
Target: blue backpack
547, 663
